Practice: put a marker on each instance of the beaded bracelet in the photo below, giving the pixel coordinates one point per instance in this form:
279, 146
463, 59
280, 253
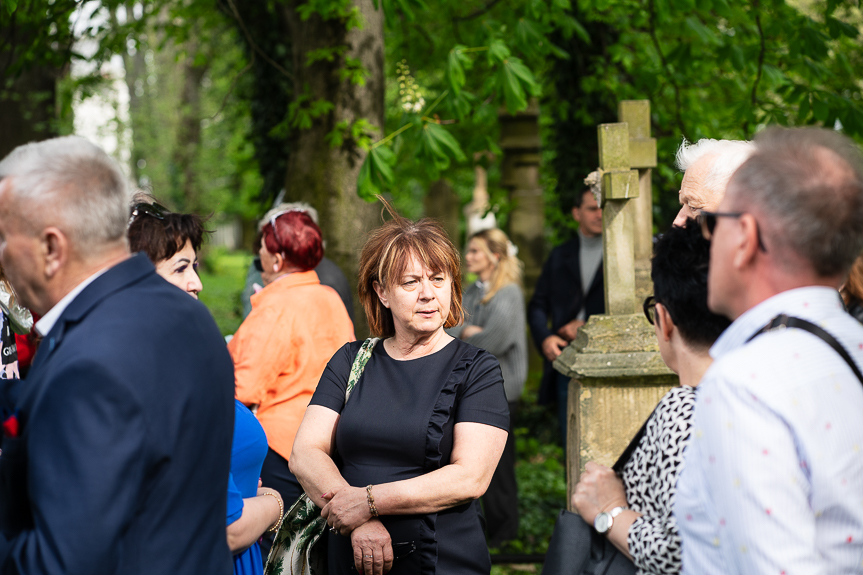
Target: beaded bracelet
278, 522
371, 500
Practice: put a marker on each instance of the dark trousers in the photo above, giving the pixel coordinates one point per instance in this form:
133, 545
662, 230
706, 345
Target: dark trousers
276, 474
500, 502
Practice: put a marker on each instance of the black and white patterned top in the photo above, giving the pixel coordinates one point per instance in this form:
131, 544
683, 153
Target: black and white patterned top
650, 479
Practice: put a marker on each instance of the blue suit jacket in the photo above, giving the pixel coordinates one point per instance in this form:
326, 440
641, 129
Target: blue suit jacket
126, 420
558, 297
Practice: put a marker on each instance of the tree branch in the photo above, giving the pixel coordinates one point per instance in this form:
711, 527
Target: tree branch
233, 84
254, 46
760, 66
678, 105
478, 13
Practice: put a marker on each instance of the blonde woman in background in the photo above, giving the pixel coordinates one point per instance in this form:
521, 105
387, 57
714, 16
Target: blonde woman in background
495, 322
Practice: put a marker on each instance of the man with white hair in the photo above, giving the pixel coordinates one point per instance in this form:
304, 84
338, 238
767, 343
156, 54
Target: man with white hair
773, 475
116, 449
707, 166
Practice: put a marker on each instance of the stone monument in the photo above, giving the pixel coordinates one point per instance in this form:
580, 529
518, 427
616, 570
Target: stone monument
617, 374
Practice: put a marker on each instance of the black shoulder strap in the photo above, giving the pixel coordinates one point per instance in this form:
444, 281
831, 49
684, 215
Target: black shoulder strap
783, 321
627, 453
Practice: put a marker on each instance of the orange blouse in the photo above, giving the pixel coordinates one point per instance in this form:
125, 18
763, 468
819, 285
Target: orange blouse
280, 351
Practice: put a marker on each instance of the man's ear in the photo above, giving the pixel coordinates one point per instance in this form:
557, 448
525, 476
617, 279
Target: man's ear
664, 322
55, 250
576, 214
747, 245
382, 294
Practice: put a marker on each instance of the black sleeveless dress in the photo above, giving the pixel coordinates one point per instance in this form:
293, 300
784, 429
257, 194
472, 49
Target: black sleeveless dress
398, 424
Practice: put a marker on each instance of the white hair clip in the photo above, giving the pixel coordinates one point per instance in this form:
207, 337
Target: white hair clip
511, 249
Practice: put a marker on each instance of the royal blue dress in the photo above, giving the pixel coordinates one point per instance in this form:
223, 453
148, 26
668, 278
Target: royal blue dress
247, 456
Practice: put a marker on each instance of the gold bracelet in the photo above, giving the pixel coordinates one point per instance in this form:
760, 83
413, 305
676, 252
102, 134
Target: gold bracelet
275, 527
371, 500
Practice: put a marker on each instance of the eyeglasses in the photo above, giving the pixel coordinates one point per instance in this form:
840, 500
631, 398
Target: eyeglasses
708, 224
157, 211
649, 308
258, 265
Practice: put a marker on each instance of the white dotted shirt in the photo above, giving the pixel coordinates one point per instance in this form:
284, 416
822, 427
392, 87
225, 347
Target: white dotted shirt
772, 480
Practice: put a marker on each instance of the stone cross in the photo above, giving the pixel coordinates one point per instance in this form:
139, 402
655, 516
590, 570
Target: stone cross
619, 188
618, 375
642, 156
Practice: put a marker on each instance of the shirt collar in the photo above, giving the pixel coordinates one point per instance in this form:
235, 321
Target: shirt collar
812, 303
44, 325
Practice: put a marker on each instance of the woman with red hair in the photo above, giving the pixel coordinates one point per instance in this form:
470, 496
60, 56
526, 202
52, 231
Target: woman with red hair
280, 351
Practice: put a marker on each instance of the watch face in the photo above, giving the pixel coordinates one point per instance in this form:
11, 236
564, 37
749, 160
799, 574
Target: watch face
602, 522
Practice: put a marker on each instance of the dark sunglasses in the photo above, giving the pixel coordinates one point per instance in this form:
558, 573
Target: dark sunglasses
157, 211
649, 308
707, 220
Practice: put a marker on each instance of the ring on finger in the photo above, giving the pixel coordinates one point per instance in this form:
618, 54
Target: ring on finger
369, 556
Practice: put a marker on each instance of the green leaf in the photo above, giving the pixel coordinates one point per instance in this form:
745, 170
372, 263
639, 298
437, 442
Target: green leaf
497, 52
366, 189
704, 33
382, 161
737, 58
513, 93
820, 109
439, 145
449, 143
11, 5
375, 173
455, 69
461, 104
529, 35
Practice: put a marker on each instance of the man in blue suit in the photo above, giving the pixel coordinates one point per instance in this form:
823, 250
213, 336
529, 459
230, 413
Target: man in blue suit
569, 290
116, 448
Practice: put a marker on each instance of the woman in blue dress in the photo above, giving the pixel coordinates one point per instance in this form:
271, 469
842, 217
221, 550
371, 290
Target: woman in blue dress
171, 241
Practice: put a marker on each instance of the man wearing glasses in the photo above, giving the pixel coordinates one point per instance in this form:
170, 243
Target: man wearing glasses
707, 165
773, 475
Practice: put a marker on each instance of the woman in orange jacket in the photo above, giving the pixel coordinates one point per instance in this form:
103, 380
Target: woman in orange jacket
280, 351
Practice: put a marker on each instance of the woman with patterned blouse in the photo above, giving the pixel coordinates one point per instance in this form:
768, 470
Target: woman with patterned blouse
636, 507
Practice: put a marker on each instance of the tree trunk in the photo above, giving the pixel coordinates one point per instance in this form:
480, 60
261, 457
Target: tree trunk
28, 108
189, 128
323, 176
28, 89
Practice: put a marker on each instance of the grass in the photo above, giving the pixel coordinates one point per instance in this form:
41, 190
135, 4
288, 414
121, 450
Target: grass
223, 274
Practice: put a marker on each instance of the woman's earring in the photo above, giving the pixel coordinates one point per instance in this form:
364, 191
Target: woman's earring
275, 267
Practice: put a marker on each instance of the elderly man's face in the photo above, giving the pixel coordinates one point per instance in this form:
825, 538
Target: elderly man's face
694, 196
19, 250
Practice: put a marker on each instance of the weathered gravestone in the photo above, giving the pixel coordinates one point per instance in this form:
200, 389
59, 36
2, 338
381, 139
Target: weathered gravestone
617, 374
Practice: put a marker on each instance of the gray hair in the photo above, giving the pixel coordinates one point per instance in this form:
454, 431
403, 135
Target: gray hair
730, 155
808, 186
284, 206
72, 184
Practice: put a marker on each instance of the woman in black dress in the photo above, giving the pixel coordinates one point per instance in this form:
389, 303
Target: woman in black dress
397, 470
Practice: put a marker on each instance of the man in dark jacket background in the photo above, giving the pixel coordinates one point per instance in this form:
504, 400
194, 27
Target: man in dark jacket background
568, 292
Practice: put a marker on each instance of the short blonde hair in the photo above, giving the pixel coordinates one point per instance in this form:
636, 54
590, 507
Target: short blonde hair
386, 256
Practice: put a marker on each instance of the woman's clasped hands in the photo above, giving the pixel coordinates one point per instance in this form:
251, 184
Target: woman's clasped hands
347, 512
